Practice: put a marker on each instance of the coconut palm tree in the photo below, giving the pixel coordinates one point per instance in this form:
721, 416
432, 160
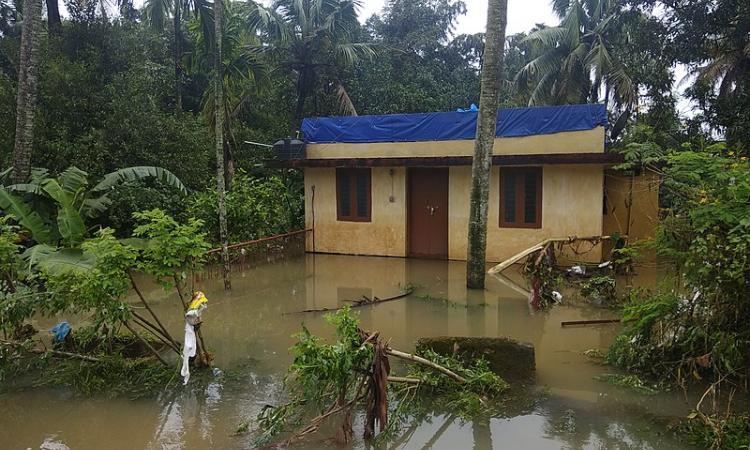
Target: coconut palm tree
244, 72
218, 85
576, 60
497, 12
53, 15
313, 39
157, 13
28, 77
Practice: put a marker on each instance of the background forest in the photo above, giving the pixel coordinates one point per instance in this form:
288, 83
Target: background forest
133, 86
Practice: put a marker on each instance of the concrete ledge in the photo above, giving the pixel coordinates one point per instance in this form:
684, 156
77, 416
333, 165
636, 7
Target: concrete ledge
511, 359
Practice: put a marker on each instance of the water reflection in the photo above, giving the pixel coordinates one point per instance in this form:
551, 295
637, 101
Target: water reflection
249, 334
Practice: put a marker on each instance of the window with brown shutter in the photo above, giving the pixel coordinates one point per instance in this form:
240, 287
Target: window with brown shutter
353, 192
521, 197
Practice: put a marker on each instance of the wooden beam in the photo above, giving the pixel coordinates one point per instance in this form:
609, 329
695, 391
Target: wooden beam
442, 161
519, 256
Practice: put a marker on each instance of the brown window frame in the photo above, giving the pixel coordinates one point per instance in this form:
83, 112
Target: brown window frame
520, 193
353, 176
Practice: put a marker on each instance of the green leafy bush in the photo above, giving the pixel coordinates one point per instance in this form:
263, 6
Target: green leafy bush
701, 327
256, 207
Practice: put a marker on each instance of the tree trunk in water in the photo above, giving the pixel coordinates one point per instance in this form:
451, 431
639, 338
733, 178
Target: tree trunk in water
489, 99
53, 16
177, 23
219, 132
28, 77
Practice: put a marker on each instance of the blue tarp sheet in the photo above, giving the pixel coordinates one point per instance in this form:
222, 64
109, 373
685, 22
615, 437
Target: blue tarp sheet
451, 126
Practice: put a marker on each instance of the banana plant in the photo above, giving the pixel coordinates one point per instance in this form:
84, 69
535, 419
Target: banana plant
54, 210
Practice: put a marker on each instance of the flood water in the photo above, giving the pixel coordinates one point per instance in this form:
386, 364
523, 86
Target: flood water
250, 336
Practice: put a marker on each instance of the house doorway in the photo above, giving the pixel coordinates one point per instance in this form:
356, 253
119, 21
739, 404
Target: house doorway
428, 213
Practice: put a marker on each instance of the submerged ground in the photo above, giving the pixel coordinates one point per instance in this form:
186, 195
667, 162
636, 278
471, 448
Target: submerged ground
250, 334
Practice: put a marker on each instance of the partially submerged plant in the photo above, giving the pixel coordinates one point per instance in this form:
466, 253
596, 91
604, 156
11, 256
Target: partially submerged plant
332, 380
600, 290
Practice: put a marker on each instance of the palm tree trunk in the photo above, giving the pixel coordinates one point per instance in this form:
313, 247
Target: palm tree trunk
219, 134
28, 73
489, 99
177, 23
53, 16
301, 97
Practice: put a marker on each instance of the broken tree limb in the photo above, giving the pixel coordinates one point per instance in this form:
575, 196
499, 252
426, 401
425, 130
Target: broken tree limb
58, 353
357, 303
540, 246
571, 323
425, 362
405, 380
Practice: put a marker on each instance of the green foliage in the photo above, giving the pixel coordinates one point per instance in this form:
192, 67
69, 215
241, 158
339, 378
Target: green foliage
600, 289
726, 433
256, 207
111, 376
479, 395
54, 210
633, 382
702, 328
320, 370
99, 286
171, 249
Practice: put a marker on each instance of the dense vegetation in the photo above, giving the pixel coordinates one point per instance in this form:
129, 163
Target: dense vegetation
136, 88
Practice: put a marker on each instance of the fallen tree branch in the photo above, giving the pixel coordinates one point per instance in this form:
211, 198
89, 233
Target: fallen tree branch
519, 256
570, 323
58, 353
405, 380
357, 303
425, 362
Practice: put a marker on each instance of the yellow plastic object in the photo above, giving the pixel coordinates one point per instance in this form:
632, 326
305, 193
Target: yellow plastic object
199, 299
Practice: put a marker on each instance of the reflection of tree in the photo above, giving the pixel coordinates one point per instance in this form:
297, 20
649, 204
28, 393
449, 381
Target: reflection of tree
482, 433
439, 433
600, 427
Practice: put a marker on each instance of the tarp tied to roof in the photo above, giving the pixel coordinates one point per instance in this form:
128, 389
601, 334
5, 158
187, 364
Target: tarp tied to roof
451, 126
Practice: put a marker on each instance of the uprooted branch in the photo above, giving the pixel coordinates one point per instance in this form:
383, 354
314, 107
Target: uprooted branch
364, 301
425, 362
355, 372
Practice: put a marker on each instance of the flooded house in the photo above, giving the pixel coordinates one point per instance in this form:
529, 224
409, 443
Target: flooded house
398, 184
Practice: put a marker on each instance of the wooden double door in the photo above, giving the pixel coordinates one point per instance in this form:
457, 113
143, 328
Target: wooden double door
428, 213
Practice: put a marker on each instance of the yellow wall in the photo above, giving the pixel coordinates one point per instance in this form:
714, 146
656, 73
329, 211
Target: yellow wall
587, 141
571, 205
385, 235
638, 221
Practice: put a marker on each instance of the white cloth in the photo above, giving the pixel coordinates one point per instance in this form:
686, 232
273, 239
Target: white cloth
188, 351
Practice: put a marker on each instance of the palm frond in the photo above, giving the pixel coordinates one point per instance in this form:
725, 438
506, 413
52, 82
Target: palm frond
351, 53
157, 12
345, 102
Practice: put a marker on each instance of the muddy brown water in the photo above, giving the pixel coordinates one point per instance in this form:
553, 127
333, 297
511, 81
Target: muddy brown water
250, 337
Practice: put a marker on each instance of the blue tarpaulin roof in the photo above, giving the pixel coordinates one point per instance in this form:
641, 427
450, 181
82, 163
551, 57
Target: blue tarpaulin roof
451, 126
